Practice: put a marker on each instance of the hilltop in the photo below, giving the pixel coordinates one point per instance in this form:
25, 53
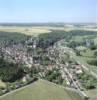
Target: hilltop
42, 90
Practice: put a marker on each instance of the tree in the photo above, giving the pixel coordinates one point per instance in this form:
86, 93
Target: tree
95, 54
10, 72
90, 84
77, 52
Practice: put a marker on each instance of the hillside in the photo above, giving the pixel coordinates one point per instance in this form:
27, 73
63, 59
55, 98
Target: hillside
92, 94
42, 90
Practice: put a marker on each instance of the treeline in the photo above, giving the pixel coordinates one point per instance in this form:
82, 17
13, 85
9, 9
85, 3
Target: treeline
48, 39
7, 38
10, 72
82, 33
92, 62
54, 75
33, 24
45, 40
87, 81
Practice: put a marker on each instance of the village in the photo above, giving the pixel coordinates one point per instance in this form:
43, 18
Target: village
57, 60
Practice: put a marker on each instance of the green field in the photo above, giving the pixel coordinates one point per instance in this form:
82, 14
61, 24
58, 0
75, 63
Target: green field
95, 40
88, 53
43, 90
77, 38
83, 60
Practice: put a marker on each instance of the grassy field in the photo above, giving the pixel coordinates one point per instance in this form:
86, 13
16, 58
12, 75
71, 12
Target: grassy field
92, 94
2, 84
43, 90
83, 60
82, 38
77, 39
89, 53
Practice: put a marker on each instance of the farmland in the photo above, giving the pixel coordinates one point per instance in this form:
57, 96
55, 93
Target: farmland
25, 30
36, 30
48, 50
49, 53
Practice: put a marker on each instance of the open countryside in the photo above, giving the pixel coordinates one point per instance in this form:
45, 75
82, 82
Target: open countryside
48, 49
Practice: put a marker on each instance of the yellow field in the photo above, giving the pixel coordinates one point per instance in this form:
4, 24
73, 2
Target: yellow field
41, 29
90, 29
25, 30
32, 30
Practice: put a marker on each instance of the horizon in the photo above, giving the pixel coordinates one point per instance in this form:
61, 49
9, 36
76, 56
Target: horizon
48, 22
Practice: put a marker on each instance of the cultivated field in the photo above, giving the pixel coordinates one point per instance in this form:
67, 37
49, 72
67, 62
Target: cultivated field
41, 29
30, 30
25, 30
43, 90
85, 27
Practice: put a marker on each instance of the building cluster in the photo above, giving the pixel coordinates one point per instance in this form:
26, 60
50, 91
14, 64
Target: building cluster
17, 54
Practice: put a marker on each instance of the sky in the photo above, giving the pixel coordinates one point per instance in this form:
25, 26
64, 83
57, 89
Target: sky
31, 11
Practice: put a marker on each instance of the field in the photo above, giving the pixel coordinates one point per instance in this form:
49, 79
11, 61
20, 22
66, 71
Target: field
2, 84
88, 53
32, 30
43, 90
77, 38
88, 56
92, 94
82, 38
85, 27
36, 30
25, 30
83, 60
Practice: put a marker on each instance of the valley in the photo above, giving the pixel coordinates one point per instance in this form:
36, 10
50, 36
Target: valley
51, 54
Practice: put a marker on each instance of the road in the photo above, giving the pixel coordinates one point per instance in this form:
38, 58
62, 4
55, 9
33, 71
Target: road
75, 83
